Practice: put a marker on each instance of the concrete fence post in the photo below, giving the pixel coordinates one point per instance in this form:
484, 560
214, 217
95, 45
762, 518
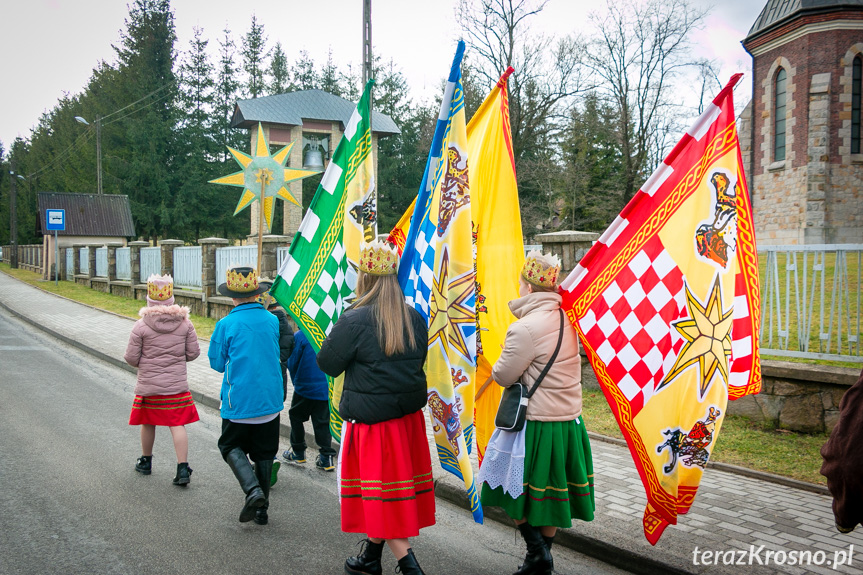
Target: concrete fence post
167, 253
209, 281
112, 262
76, 259
269, 257
135, 260
61, 264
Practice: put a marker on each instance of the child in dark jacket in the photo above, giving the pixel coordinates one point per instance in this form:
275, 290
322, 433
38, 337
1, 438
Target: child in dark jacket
309, 400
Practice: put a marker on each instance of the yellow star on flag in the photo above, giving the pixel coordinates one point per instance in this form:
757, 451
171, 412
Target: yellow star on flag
708, 339
263, 176
446, 316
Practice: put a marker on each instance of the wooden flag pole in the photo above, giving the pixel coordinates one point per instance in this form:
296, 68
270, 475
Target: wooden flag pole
262, 175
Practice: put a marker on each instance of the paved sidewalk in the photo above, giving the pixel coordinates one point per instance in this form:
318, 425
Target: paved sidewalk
731, 513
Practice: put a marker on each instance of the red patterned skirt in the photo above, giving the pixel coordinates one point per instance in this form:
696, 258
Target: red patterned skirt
385, 478
168, 410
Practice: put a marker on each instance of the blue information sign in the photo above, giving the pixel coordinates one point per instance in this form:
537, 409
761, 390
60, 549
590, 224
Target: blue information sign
55, 220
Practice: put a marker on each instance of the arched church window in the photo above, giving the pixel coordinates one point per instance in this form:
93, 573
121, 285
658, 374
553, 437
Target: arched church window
856, 87
779, 115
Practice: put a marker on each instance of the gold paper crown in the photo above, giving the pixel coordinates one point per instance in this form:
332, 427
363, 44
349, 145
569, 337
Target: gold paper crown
379, 258
160, 288
265, 299
537, 273
242, 279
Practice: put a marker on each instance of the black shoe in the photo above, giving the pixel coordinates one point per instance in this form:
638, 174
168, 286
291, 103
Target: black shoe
368, 562
184, 473
325, 462
255, 497
144, 466
292, 456
537, 561
408, 565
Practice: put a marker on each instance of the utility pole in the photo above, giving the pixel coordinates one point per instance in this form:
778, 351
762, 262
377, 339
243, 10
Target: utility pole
99, 153
13, 216
367, 74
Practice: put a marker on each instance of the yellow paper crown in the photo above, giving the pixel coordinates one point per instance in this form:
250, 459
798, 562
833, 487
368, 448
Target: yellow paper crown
265, 299
378, 258
242, 279
537, 272
160, 288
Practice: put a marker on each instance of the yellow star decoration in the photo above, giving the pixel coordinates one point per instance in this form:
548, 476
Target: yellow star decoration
263, 176
446, 316
708, 339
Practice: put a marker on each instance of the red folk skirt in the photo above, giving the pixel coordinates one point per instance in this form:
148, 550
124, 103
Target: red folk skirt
385, 478
168, 410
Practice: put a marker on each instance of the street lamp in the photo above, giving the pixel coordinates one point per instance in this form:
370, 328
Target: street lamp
98, 149
13, 217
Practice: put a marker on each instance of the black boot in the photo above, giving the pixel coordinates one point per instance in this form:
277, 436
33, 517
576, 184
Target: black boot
239, 464
263, 471
144, 465
549, 541
184, 473
408, 564
538, 559
368, 562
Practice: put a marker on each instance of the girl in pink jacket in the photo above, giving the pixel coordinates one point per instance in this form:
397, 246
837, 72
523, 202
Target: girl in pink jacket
161, 343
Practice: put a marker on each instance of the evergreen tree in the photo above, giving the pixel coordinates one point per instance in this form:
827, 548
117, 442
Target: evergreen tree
255, 53
279, 75
227, 93
146, 61
350, 82
330, 77
304, 74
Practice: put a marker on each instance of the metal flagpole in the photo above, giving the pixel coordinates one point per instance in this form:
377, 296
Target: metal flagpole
367, 74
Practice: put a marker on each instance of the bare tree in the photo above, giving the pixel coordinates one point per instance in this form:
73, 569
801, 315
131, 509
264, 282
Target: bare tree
640, 50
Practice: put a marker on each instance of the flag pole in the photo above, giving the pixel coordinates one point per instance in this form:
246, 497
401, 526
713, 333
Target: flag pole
367, 74
263, 176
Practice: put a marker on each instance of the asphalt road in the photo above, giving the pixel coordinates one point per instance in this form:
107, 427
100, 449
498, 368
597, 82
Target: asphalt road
71, 502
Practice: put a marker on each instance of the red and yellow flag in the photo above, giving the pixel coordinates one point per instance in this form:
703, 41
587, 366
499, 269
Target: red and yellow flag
667, 306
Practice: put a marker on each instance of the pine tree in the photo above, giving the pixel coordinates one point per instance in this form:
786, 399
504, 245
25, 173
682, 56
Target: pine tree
330, 77
255, 53
279, 75
146, 62
227, 92
304, 72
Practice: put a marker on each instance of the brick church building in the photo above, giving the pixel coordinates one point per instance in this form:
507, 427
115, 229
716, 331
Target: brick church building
801, 133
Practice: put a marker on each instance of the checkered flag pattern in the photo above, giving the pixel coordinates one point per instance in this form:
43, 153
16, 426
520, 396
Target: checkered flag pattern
326, 301
418, 288
630, 324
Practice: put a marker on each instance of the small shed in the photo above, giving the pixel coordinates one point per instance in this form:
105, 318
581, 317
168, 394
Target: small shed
316, 121
94, 219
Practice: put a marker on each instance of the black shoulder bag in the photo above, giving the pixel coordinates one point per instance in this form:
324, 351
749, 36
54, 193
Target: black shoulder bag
512, 411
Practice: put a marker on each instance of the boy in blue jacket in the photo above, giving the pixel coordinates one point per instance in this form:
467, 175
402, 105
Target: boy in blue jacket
309, 401
245, 347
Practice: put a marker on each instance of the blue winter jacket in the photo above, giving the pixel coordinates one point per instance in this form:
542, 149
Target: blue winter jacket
308, 379
245, 347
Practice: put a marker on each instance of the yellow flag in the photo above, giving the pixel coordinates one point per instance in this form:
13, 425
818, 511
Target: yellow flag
498, 243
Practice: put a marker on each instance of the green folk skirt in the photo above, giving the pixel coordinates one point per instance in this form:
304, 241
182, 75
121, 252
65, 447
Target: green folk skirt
558, 476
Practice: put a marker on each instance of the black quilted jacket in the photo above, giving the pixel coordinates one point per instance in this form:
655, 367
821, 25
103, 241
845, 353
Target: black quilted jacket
377, 388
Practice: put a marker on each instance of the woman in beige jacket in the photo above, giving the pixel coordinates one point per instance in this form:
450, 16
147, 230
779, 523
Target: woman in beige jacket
541, 476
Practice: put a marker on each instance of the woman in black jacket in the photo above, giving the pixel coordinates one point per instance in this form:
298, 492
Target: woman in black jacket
385, 476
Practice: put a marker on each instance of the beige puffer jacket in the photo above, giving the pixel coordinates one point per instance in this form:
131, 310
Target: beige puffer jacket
529, 343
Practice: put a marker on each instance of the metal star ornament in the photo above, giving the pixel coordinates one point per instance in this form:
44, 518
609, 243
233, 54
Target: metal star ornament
264, 177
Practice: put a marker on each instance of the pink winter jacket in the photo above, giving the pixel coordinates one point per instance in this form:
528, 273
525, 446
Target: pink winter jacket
529, 344
161, 343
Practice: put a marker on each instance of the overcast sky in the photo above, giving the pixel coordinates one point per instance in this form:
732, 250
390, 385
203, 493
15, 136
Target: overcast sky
50, 47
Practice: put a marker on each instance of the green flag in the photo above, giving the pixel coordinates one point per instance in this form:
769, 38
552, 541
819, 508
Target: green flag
316, 278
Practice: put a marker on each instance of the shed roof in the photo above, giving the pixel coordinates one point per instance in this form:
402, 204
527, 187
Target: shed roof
89, 214
778, 12
292, 108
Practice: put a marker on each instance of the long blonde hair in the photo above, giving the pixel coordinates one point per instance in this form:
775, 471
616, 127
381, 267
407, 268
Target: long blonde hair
384, 295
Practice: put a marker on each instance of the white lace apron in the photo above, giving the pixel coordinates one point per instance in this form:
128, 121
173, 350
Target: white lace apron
503, 464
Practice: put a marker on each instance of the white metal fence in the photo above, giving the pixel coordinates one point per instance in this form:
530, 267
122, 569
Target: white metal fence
70, 264
124, 264
236, 255
281, 256
101, 262
84, 260
811, 301
151, 262
188, 262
